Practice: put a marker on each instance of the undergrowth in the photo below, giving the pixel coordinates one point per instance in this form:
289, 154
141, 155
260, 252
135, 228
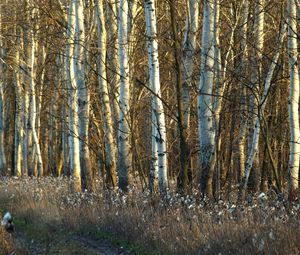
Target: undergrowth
144, 224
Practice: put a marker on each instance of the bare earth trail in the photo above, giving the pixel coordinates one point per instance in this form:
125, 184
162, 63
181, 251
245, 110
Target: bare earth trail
72, 244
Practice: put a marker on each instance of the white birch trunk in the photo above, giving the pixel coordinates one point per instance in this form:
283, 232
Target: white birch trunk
33, 109
18, 132
243, 104
261, 108
124, 133
25, 133
205, 102
293, 101
64, 118
255, 84
153, 175
83, 96
189, 47
2, 84
159, 148
40, 95
109, 143
73, 105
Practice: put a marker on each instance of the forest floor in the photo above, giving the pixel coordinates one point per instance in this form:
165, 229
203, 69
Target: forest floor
50, 219
66, 244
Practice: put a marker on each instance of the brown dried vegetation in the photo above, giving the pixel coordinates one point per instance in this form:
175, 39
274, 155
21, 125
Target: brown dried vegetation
45, 209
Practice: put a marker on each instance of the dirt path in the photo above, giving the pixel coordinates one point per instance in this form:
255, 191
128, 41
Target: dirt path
71, 245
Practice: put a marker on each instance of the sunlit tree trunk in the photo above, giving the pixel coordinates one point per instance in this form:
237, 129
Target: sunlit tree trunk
112, 58
258, 35
64, 118
25, 134
2, 84
110, 145
40, 96
205, 102
18, 128
72, 101
33, 109
189, 47
261, 107
243, 105
124, 133
83, 96
293, 101
158, 116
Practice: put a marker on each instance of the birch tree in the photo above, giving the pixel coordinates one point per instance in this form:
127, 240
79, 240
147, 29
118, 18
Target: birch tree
72, 100
110, 146
189, 47
2, 84
256, 62
33, 105
261, 107
243, 105
293, 101
83, 96
124, 148
205, 102
159, 147
182, 180
18, 127
112, 57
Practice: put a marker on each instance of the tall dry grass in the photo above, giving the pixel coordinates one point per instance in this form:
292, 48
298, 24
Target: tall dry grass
173, 225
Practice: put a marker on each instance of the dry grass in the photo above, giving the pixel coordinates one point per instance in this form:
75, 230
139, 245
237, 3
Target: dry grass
6, 242
174, 225
9, 245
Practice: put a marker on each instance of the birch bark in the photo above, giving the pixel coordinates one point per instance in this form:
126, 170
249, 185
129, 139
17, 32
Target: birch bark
243, 103
294, 158
110, 145
159, 147
72, 99
189, 47
124, 133
18, 128
2, 84
33, 108
255, 85
112, 58
205, 102
261, 107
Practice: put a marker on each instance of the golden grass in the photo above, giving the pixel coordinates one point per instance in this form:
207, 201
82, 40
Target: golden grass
156, 226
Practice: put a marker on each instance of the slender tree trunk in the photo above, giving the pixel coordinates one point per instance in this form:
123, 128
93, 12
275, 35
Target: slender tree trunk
83, 97
2, 84
205, 102
109, 143
255, 86
52, 134
73, 105
189, 47
33, 108
159, 124
124, 148
18, 128
293, 102
113, 75
261, 107
182, 182
243, 103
